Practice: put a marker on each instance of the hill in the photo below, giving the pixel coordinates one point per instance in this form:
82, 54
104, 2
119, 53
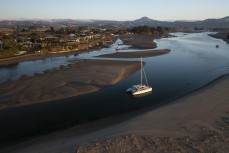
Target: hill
208, 23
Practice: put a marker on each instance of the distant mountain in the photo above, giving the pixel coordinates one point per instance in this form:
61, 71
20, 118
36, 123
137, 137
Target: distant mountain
144, 21
208, 23
212, 23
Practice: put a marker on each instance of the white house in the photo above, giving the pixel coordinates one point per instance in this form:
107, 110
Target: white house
72, 37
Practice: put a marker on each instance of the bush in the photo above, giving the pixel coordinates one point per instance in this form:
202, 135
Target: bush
8, 53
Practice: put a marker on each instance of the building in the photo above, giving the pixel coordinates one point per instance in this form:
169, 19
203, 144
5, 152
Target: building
72, 37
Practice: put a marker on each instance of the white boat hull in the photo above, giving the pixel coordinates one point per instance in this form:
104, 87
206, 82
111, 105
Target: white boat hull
142, 91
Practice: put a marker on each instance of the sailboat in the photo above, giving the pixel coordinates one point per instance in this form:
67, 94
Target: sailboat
117, 48
140, 88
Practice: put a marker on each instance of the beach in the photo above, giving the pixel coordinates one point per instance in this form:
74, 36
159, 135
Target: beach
197, 122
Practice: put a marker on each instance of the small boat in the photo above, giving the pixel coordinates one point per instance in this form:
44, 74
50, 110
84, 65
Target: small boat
217, 46
140, 88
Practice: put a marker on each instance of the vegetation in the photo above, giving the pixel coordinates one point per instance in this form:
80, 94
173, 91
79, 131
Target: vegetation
8, 46
150, 30
34, 39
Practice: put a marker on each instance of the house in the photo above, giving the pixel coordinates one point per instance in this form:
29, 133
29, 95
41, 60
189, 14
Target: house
72, 37
28, 44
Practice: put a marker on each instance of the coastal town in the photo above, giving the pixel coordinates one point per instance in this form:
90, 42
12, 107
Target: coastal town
23, 40
43, 37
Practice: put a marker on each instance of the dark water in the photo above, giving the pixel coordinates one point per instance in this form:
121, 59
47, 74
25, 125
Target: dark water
193, 62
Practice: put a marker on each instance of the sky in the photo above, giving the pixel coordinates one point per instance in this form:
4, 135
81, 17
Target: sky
164, 10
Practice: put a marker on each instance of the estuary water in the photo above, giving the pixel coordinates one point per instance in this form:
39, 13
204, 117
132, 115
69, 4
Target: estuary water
193, 62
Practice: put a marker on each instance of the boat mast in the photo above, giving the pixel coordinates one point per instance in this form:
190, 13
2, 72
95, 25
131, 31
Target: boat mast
141, 70
145, 76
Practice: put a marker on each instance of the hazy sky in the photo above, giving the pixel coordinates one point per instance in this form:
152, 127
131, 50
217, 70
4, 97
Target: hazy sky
114, 9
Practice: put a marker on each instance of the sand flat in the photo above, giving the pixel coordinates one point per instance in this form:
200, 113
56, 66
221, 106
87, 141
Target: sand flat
82, 77
136, 54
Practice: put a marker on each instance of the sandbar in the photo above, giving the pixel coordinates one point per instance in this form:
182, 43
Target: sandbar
136, 54
84, 76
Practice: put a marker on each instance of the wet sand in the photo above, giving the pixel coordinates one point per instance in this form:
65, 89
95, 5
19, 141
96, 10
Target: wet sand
138, 54
197, 122
83, 77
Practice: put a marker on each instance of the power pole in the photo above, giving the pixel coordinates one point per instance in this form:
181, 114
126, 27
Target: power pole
1, 42
1, 45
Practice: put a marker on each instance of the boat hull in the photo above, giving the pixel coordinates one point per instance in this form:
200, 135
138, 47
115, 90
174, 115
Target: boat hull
142, 91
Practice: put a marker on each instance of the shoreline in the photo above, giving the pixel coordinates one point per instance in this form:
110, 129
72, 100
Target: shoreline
136, 41
4, 62
82, 138
197, 121
221, 36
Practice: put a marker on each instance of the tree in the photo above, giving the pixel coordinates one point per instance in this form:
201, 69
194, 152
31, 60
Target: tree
159, 30
52, 29
8, 43
141, 30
